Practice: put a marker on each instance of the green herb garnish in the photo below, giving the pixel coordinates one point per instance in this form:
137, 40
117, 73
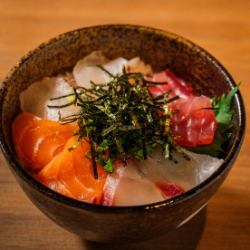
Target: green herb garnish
223, 107
108, 166
121, 119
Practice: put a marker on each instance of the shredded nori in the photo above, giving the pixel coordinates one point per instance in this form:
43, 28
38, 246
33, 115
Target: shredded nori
121, 119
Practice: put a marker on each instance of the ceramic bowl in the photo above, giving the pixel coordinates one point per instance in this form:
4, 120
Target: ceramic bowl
162, 50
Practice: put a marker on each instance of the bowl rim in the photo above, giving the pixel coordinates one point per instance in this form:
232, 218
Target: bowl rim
31, 181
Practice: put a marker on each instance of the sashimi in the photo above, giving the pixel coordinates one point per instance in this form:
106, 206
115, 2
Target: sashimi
36, 98
169, 190
71, 173
85, 73
86, 70
37, 141
157, 179
193, 121
176, 86
134, 188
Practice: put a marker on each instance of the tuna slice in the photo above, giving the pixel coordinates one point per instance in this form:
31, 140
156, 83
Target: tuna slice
193, 121
177, 86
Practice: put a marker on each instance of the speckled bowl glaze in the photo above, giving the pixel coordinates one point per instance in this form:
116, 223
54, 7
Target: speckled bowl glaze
162, 50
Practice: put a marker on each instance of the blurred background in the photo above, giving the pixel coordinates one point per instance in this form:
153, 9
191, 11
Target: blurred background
220, 27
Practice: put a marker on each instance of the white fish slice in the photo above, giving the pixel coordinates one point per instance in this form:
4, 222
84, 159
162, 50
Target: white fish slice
157, 169
86, 70
140, 176
136, 189
36, 98
186, 173
206, 165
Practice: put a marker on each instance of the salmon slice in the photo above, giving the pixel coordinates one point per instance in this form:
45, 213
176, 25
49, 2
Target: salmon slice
71, 174
38, 141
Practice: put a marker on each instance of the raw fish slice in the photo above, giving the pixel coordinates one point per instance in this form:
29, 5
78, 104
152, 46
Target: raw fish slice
37, 141
84, 72
71, 173
40, 144
193, 122
21, 124
116, 66
186, 174
136, 189
169, 190
177, 86
36, 98
158, 169
158, 179
206, 165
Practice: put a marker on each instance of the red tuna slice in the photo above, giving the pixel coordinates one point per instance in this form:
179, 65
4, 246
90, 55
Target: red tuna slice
170, 190
177, 86
193, 122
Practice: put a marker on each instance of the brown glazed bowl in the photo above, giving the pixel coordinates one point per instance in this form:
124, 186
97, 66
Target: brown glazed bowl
162, 50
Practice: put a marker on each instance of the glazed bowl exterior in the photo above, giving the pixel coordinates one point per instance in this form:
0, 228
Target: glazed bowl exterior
162, 50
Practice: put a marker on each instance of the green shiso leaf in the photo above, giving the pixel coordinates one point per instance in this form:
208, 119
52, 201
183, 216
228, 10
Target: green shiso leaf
223, 108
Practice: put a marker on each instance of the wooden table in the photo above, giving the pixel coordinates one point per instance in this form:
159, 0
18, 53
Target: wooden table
221, 27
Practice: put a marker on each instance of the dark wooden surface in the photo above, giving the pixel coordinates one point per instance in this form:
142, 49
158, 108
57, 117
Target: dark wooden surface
221, 27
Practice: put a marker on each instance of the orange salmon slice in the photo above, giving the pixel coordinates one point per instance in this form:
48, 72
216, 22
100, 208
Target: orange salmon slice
38, 141
71, 173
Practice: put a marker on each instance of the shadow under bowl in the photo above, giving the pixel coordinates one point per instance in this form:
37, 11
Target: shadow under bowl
162, 50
